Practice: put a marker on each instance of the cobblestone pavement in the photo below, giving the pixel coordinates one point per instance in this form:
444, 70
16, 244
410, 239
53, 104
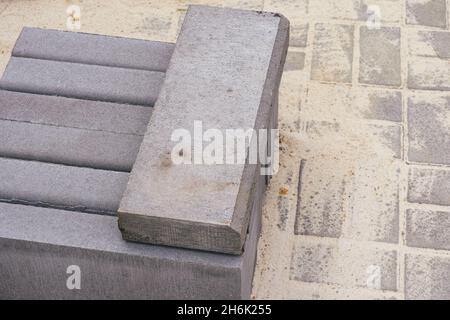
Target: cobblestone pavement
360, 208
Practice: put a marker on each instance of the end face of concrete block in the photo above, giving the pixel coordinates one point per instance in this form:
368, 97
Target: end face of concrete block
224, 72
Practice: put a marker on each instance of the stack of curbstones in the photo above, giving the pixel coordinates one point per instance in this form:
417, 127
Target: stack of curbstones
76, 117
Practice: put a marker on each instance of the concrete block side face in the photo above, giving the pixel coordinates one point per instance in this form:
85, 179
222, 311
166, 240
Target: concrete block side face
68, 146
211, 78
74, 113
106, 275
58, 186
82, 81
93, 49
38, 244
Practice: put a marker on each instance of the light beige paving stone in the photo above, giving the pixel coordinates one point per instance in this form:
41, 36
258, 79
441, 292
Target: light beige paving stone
428, 229
292, 9
427, 43
299, 35
428, 74
427, 277
345, 264
429, 128
431, 13
346, 102
380, 61
431, 186
332, 53
294, 61
388, 10
298, 290
359, 202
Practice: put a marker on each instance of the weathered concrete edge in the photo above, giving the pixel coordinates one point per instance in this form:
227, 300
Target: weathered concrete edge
266, 118
234, 233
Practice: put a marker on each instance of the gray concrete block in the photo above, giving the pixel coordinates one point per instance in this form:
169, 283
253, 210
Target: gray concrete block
428, 229
82, 81
212, 79
431, 186
332, 56
93, 49
74, 113
427, 277
380, 56
428, 128
52, 185
431, 13
38, 244
69, 146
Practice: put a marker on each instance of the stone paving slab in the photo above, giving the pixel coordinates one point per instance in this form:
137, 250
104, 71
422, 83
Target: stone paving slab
74, 113
345, 102
380, 60
358, 10
429, 128
427, 43
431, 186
332, 53
420, 69
428, 229
65, 187
431, 13
347, 266
337, 205
93, 49
427, 277
69, 146
205, 207
82, 81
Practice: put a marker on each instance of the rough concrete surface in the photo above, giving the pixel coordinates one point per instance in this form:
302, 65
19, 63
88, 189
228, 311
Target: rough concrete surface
377, 165
211, 79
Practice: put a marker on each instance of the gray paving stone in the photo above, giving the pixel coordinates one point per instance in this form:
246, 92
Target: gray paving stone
421, 69
347, 202
429, 43
93, 49
332, 53
294, 61
38, 244
380, 56
356, 10
200, 206
299, 35
343, 101
431, 13
431, 186
428, 229
74, 113
52, 185
345, 265
82, 81
380, 104
427, 277
429, 128
69, 146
